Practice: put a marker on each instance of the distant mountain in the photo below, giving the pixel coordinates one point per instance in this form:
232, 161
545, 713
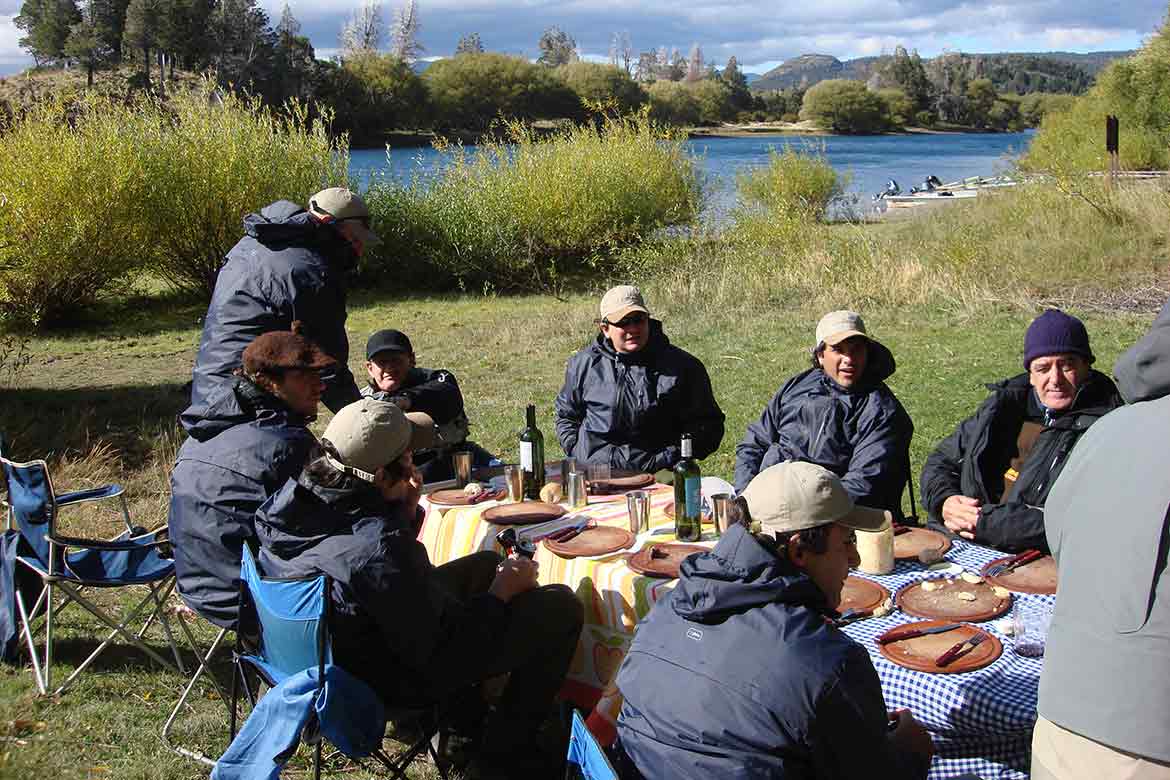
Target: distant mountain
752, 78
1072, 70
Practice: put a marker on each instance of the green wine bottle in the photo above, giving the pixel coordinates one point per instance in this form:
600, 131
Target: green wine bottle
532, 456
688, 499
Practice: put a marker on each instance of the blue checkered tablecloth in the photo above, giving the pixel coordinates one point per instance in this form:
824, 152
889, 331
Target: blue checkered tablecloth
981, 721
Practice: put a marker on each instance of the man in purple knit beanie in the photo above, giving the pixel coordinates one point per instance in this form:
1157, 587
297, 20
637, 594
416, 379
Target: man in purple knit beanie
989, 479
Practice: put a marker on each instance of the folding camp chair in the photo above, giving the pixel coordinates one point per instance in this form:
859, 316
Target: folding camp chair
586, 759
204, 657
66, 565
286, 623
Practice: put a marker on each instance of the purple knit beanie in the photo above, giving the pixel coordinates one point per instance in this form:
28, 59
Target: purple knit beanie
1056, 333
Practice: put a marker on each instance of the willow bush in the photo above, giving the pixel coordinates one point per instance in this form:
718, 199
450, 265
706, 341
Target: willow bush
521, 213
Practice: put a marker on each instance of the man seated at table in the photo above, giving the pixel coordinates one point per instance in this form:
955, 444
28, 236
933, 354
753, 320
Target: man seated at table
739, 673
413, 632
630, 395
1104, 707
838, 414
394, 377
989, 479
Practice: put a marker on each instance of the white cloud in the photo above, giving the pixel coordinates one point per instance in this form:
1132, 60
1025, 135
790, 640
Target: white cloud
1064, 38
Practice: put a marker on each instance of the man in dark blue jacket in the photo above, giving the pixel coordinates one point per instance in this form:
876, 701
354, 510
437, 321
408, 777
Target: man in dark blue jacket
838, 414
290, 265
252, 437
630, 395
739, 672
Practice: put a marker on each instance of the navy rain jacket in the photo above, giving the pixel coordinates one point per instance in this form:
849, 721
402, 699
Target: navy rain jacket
861, 434
247, 444
393, 626
285, 268
630, 410
973, 459
737, 674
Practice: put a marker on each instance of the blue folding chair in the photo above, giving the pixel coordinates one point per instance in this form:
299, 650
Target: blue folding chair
283, 631
586, 759
67, 564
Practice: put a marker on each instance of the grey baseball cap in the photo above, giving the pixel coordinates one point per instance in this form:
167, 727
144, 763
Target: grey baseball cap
338, 204
794, 496
368, 434
836, 326
620, 301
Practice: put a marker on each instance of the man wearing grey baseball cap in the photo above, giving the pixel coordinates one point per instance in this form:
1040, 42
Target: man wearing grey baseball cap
840, 414
413, 632
740, 672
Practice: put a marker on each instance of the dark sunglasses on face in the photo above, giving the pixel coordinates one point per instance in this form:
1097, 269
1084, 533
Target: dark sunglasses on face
629, 321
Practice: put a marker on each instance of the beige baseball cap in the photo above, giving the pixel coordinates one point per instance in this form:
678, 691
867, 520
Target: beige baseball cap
794, 496
368, 434
620, 301
836, 326
340, 204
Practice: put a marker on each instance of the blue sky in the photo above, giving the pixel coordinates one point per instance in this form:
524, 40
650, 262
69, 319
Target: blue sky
760, 34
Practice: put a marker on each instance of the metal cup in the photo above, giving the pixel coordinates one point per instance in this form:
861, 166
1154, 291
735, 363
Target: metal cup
568, 466
638, 505
461, 463
719, 504
578, 496
514, 479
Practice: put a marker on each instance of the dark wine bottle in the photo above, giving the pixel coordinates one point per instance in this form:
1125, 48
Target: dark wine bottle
688, 499
532, 456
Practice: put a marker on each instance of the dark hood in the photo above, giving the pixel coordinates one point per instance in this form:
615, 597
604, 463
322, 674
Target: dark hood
302, 515
879, 367
236, 403
284, 223
1143, 372
657, 342
737, 575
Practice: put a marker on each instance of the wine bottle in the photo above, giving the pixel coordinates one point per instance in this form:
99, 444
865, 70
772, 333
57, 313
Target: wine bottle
532, 456
688, 499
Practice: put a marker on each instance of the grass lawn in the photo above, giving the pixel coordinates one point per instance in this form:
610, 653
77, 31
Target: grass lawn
101, 404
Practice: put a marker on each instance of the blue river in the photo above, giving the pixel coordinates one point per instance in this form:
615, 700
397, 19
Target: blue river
868, 161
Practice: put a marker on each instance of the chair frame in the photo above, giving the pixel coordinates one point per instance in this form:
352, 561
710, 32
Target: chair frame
204, 666
71, 585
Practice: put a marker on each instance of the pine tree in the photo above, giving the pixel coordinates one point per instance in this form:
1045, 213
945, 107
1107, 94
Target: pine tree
87, 43
294, 58
695, 64
469, 44
142, 30
404, 43
47, 24
557, 47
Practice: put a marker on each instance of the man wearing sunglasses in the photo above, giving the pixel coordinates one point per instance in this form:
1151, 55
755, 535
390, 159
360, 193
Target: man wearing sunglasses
290, 265
630, 395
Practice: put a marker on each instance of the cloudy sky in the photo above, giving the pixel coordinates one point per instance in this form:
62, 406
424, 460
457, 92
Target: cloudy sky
760, 34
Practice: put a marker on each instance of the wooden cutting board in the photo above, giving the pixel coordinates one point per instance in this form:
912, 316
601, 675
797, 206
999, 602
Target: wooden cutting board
668, 510
1038, 576
598, 540
946, 602
662, 560
523, 513
621, 484
456, 497
862, 594
920, 653
908, 544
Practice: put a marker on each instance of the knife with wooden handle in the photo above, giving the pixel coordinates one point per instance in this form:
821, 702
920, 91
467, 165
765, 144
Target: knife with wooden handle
960, 649
894, 635
1014, 562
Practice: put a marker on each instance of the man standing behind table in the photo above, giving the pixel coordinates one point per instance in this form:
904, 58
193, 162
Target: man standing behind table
838, 414
290, 265
738, 672
1105, 691
630, 395
394, 377
989, 479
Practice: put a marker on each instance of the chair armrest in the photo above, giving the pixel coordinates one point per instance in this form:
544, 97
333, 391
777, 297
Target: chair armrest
113, 544
92, 494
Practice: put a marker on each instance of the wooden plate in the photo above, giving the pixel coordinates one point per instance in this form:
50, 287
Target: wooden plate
1038, 576
945, 604
908, 544
862, 594
523, 513
668, 510
621, 484
920, 652
598, 540
662, 560
456, 497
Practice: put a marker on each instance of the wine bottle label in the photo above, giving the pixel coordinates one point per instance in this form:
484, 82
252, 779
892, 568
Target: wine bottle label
526, 459
694, 494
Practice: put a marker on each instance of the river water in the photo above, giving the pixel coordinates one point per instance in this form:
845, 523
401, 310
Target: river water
869, 161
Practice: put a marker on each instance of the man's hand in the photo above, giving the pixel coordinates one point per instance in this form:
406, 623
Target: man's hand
909, 734
514, 576
961, 515
407, 492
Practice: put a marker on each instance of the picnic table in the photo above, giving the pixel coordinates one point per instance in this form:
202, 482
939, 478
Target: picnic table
981, 721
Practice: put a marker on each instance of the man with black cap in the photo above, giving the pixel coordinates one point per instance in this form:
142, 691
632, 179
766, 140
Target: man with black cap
740, 673
839, 414
290, 265
988, 480
394, 377
415, 633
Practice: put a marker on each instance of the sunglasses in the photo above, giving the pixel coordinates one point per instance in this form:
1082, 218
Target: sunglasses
629, 320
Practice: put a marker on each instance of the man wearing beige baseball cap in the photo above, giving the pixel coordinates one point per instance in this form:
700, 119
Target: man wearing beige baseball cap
414, 632
739, 672
839, 414
630, 394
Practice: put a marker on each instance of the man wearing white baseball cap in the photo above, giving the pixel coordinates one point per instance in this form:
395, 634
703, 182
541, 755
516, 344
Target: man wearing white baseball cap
413, 632
840, 414
739, 672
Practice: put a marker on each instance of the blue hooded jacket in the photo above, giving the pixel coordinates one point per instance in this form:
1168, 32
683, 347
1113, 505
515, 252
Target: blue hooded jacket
285, 268
737, 674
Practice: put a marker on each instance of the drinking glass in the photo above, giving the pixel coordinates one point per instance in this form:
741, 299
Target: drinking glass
719, 504
578, 496
599, 472
568, 466
638, 506
1030, 624
514, 479
461, 463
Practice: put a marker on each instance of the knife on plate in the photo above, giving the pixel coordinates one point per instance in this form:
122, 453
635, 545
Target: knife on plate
894, 635
960, 649
1013, 562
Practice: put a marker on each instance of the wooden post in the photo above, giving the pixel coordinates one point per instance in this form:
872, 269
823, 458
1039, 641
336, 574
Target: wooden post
1112, 132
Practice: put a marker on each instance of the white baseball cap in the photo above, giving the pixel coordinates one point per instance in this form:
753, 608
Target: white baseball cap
368, 434
794, 496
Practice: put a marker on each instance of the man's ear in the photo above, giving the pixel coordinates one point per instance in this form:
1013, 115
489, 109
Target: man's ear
795, 551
